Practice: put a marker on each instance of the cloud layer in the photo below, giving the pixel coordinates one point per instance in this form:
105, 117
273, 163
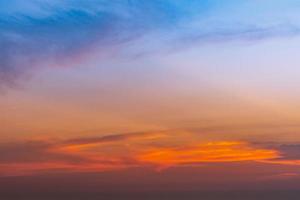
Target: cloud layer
158, 150
35, 34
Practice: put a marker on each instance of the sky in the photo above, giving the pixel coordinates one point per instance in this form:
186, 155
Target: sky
140, 97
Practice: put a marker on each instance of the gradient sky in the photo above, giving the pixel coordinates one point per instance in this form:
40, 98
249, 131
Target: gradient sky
140, 95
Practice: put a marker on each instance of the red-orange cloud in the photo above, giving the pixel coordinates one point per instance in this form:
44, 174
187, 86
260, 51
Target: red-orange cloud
117, 152
224, 151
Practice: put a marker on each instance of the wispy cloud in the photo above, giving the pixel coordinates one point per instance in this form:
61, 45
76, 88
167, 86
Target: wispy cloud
54, 33
212, 152
289, 155
36, 34
159, 150
79, 154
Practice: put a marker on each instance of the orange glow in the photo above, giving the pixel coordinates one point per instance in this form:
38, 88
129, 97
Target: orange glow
76, 147
136, 150
282, 162
208, 153
33, 168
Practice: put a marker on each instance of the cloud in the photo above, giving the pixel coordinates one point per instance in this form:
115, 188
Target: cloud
36, 34
32, 151
45, 33
114, 138
19, 158
290, 151
289, 155
212, 152
28, 43
221, 152
114, 152
157, 150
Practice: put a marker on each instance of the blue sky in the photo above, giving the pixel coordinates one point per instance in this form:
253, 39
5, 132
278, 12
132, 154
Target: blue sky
51, 31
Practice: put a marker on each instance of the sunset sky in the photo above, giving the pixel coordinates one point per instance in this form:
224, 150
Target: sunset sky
149, 95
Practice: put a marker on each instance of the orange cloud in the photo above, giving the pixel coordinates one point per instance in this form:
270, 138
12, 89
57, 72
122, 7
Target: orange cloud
282, 162
76, 145
114, 152
224, 151
77, 154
